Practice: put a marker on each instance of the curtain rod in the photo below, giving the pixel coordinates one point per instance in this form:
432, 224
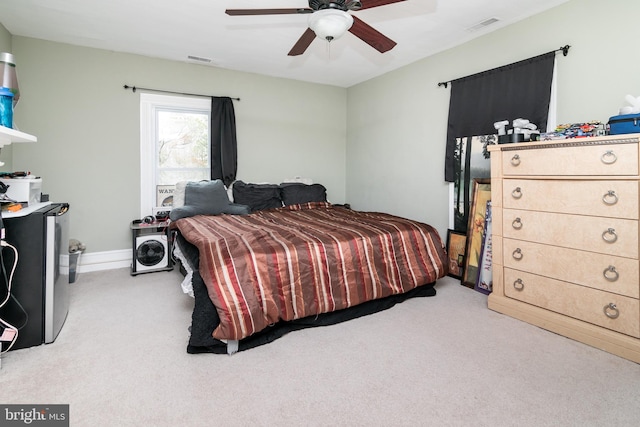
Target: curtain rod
564, 49
134, 88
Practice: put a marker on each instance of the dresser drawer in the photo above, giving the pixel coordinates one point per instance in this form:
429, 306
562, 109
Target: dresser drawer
611, 311
600, 271
611, 236
610, 198
567, 160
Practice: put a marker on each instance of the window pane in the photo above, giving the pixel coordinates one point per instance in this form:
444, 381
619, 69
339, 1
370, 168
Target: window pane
183, 140
170, 177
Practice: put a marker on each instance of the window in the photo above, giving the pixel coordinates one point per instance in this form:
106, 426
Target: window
174, 147
476, 164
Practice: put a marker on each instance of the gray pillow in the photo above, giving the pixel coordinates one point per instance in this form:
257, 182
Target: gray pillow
206, 198
208, 195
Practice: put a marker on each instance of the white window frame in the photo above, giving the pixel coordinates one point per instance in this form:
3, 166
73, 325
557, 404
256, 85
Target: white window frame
149, 104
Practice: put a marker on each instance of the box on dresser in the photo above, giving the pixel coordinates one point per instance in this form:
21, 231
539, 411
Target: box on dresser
565, 238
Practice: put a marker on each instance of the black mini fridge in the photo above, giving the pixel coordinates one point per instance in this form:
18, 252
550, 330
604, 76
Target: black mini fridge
40, 292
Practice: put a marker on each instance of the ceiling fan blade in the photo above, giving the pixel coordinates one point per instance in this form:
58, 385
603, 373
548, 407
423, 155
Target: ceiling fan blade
303, 43
371, 36
241, 12
368, 4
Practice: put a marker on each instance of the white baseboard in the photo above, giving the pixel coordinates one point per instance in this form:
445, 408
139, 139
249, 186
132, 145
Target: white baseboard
107, 260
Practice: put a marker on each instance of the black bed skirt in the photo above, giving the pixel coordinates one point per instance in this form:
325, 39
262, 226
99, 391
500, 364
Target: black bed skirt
205, 318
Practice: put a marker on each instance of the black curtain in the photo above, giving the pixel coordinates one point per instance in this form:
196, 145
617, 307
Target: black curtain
224, 145
518, 90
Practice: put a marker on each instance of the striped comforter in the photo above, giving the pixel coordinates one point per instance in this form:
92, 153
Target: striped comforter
303, 260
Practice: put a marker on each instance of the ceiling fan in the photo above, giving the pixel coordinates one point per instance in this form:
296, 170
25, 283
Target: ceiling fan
330, 20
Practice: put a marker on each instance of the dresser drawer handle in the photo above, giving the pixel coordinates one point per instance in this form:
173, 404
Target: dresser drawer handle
515, 160
517, 193
517, 254
611, 311
517, 223
610, 232
611, 274
518, 285
611, 198
608, 158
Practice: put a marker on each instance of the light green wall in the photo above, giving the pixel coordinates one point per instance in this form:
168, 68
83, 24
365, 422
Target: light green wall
397, 122
5, 39
378, 145
6, 152
88, 154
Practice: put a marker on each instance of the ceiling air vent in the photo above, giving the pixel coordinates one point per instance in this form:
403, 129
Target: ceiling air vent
198, 59
483, 24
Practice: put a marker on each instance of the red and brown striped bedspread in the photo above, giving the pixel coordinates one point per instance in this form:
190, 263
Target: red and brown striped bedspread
303, 260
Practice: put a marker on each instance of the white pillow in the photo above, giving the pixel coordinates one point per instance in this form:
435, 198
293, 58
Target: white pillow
230, 192
178, 194
307, 181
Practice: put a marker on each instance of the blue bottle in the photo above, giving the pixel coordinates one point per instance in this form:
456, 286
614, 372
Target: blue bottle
6, 107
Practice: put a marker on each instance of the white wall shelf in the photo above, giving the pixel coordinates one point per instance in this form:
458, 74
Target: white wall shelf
8, 135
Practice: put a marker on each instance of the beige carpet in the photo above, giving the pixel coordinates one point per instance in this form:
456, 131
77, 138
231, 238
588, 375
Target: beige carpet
121, 360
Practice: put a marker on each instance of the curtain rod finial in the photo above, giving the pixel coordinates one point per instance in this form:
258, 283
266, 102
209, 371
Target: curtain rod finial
445, 84
565, 50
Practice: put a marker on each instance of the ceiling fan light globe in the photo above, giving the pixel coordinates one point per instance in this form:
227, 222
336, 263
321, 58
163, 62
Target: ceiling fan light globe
330, 24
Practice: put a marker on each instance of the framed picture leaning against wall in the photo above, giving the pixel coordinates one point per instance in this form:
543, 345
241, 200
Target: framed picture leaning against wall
475, 230
456, 245
484, 283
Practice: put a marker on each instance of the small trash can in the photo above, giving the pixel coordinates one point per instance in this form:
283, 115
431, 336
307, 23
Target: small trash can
76, 247
74, 261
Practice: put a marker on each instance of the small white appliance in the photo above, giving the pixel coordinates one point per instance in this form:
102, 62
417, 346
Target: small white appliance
24, 190
152, 252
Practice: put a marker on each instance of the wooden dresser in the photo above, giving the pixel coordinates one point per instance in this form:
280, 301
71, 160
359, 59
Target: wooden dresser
565, 238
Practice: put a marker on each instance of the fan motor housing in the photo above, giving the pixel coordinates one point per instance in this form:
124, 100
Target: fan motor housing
335, 4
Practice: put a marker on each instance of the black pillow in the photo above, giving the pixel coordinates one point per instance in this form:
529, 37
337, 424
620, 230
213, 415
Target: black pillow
257, 196
296, 193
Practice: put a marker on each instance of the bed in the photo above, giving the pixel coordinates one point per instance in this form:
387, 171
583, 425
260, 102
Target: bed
259, 272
